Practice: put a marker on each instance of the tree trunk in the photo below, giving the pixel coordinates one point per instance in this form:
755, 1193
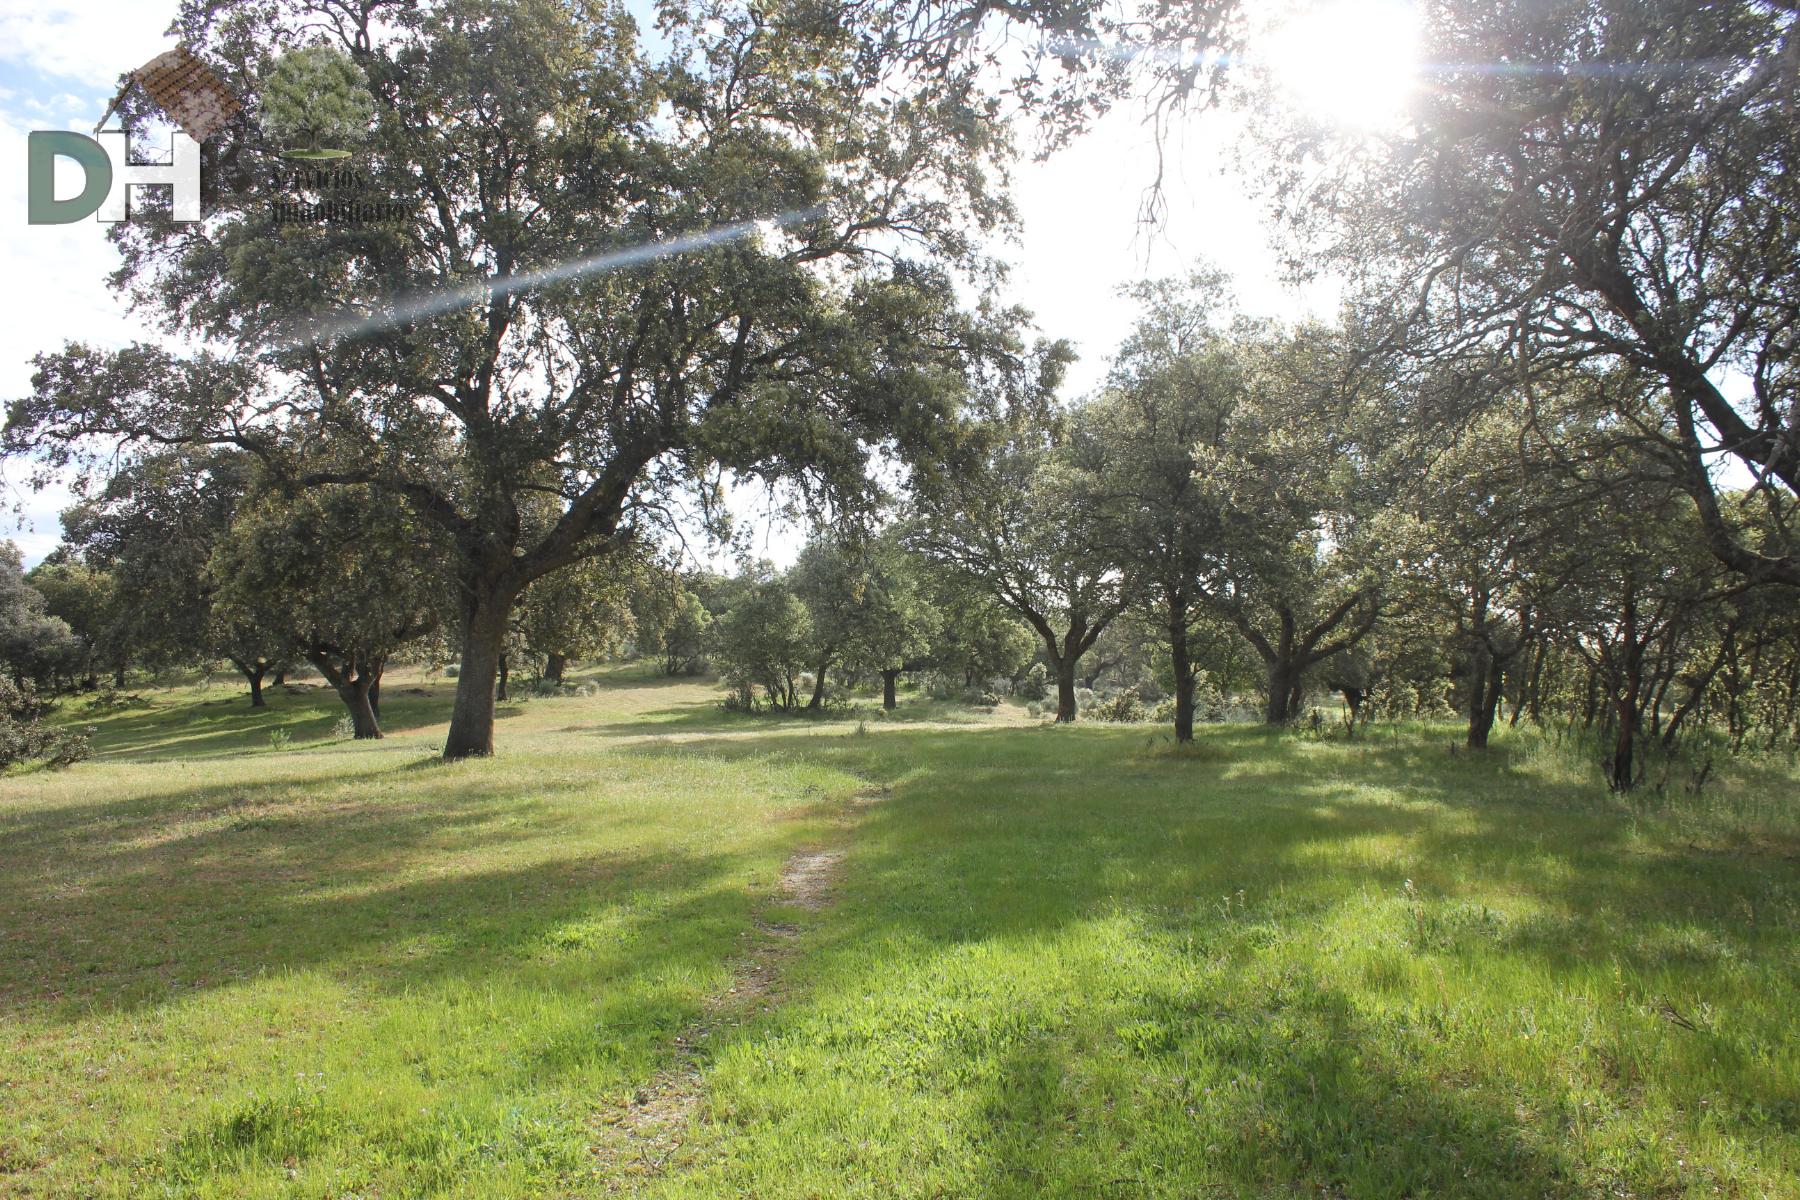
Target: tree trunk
888, 679
253, 672
355, 693
1184, 680
357, 683
500, 692
1484, 694
118, 677
1621, 772
375, 692
1065, 691
1282, 685
1284, 676
1627, 693
554, 665
818, 693
472, 716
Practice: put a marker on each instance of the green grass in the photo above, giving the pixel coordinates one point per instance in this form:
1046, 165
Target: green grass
1071, 962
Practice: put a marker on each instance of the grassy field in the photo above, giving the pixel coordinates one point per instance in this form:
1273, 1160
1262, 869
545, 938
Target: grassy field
661, 950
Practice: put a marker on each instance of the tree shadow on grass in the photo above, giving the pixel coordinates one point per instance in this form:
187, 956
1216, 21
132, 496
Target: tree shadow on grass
1299, 1097
127, 904
1255, 851
209, 728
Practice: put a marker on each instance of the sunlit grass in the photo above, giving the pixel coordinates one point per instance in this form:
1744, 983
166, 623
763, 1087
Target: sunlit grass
1060, 962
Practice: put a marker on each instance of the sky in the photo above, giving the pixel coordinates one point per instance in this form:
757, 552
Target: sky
1079, 239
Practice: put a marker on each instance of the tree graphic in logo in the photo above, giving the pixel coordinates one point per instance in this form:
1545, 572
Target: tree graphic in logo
316, 101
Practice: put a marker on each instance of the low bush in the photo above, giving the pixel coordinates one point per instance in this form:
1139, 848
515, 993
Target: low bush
24, 737
1125, 707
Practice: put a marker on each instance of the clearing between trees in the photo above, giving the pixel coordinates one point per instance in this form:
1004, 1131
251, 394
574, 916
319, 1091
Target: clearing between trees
660, 949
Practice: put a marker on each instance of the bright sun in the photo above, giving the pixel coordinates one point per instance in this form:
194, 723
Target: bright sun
1353, 63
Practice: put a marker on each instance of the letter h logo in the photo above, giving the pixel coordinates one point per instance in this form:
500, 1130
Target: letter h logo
108, 176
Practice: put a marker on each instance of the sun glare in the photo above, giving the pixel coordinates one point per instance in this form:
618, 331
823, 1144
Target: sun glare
1353, 63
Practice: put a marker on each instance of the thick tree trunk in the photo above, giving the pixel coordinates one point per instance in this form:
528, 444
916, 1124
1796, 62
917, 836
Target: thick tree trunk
1484, 695
280, 676
472, 716
500, 690
888, 680
1065, 691
1621, 772
355, 694
253, 672
818, 693
1184, 680
554, 665
118, 677
375, 693
1281, 707
358, 685
1284, 676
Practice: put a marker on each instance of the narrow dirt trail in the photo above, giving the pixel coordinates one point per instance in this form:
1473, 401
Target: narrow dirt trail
636, 1142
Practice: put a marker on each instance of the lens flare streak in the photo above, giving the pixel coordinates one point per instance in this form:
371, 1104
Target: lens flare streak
437, 302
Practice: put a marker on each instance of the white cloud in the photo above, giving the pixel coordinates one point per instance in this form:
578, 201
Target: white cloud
89, 42
56, 276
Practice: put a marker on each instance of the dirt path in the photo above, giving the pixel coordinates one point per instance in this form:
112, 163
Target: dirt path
637, 1141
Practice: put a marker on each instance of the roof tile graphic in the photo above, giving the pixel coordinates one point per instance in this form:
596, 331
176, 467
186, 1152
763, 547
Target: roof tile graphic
191, 95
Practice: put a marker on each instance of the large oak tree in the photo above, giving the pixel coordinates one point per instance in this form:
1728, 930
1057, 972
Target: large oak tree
600, 273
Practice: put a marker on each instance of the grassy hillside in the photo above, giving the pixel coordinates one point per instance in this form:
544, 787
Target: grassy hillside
658, 949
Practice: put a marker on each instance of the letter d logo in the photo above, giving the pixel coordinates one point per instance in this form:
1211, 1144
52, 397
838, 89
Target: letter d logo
43, 148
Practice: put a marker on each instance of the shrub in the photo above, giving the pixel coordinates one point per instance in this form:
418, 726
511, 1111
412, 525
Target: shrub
111, 699
1036, 684
1123, 707
939, 686
25, 738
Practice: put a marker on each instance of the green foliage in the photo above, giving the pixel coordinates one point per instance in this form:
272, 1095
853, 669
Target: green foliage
582, 611
316, 98
32, 642
87, 601
338, 577
340, 572
1495, 186
1010, 518
764, 641
153, 528
868, 608
977, 639
516, 138
672, 623
1121, 708
25, 736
